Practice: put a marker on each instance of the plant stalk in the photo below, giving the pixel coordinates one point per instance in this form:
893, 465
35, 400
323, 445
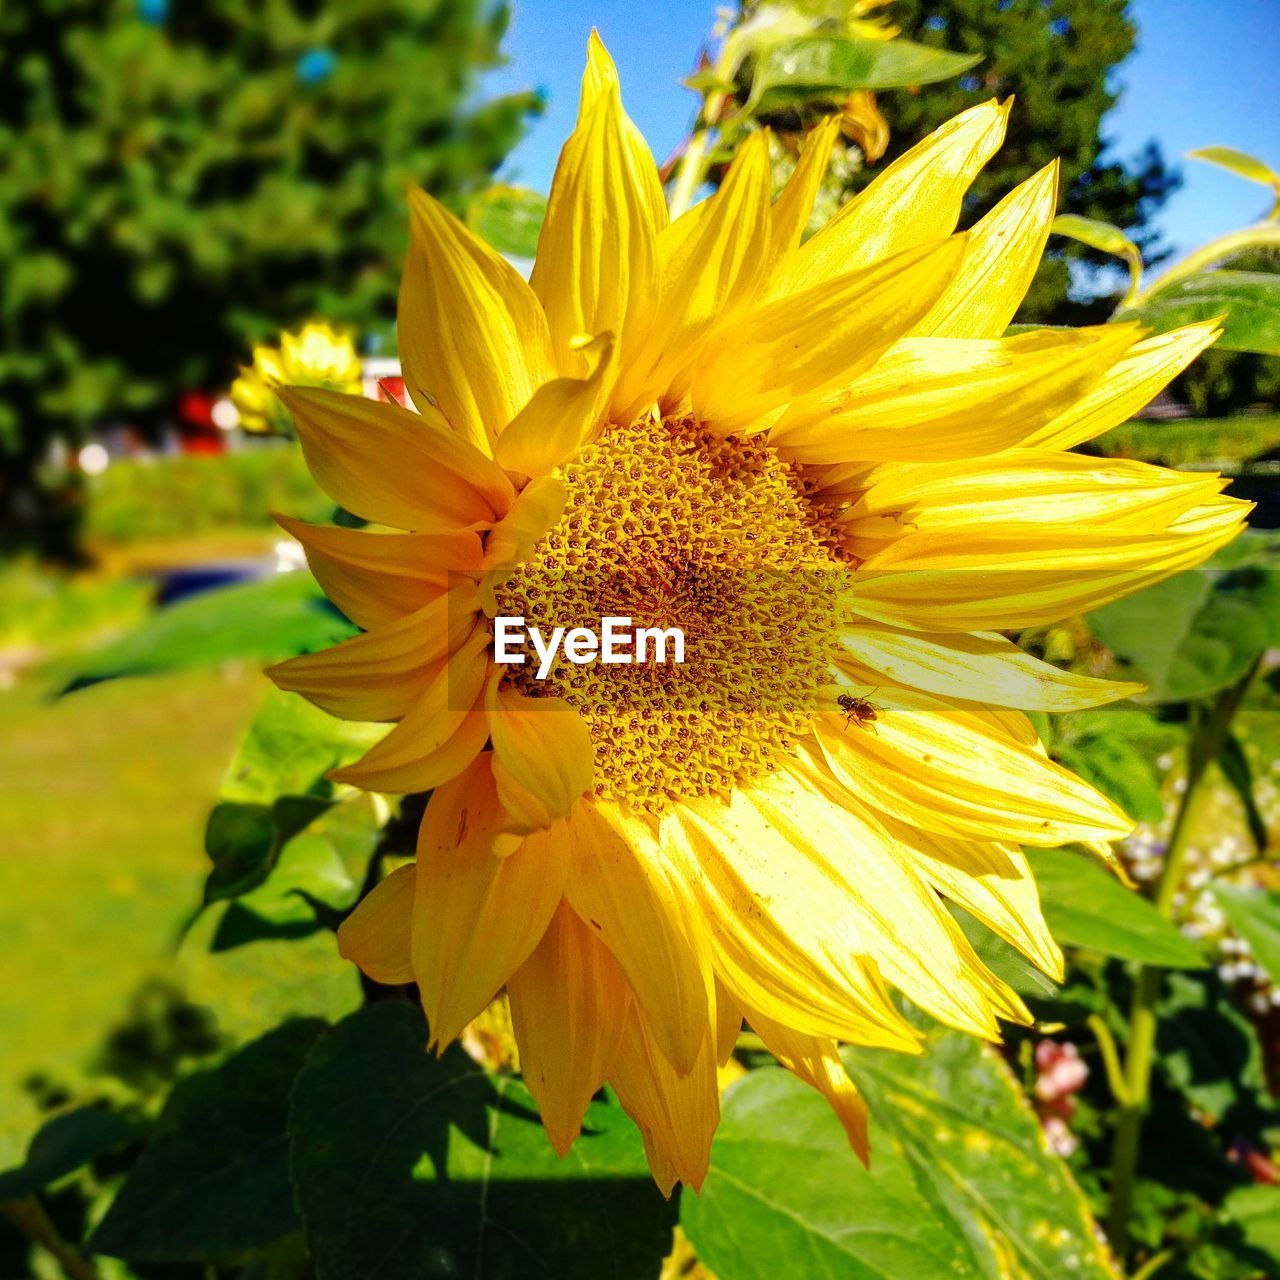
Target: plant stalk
692, 168
29, 1217
1210, 735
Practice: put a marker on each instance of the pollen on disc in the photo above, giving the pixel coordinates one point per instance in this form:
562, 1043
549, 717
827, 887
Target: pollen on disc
674, 527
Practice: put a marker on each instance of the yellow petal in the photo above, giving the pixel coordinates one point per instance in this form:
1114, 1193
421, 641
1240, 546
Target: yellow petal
915, 200
440, 735
676, 1113
983, 667
807, 341
375, 578
379, 675
1134, 382
817, 1062
600, 76
1025, 575
945, 398
268, 365
559, 418
1004, 251
1034, 488
621, 886
992, 882
710, 262
595, 266
1005, 1002
728, 1023
395, 467
376, 934
784, 941
533, 515
794, 207
543, 758
896, 918
477, 917
473, 339
948, 770
569, 1002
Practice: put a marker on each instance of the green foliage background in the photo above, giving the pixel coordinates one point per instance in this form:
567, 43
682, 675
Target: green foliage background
180, 179
1058, 60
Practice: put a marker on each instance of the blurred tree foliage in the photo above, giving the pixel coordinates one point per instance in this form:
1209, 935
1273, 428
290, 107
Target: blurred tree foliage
179, 179
1221, 383
1058, 58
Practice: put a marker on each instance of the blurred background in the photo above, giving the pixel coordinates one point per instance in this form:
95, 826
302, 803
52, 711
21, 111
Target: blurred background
198, 196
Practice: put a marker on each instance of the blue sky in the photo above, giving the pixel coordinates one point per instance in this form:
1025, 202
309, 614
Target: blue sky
1203, 72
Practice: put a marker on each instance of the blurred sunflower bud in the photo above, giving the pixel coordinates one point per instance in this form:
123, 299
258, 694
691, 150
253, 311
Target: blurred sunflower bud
316, 356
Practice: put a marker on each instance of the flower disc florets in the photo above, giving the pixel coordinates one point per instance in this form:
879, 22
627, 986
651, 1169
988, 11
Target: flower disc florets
672, 526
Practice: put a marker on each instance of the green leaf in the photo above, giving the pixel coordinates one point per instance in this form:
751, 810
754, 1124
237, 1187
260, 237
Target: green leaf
960, 1183
304, 878
290, 860
509, 218
1199, 631
244, 841
1139, 726
827, 68
1255, 1211
409, 1167
1119, 769
1208, 1050
1005, 961
323, 865
1241, 163
1255, 916
706, 81
1087, 906
289, 748
64, 1144
1250, 301
1103, 237
273, 619
215, 1180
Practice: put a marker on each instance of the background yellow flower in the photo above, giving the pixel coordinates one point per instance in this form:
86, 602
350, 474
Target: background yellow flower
317, 355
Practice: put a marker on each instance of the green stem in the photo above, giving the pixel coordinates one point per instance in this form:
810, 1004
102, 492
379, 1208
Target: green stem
693, 167
29, 1217
1210, 734
1110, 1058
1152, 1265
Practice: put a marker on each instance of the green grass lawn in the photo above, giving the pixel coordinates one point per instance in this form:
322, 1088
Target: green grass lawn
103, 799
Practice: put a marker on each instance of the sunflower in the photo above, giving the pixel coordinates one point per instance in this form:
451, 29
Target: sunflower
316, 356
828, 466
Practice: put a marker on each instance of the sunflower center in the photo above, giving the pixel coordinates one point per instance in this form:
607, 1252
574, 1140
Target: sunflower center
673, 527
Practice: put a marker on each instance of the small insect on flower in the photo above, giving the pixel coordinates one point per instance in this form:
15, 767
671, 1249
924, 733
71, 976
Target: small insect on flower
860, 711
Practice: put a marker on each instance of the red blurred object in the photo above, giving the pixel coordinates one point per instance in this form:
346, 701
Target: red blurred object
384, 381
195, 421
392, 389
